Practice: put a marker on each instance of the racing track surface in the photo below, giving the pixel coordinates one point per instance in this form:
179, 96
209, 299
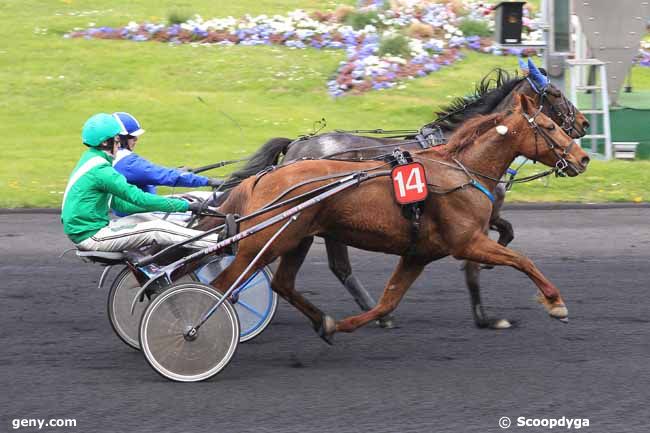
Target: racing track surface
436, 373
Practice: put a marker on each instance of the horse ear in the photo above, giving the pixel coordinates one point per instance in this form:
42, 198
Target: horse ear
527, 104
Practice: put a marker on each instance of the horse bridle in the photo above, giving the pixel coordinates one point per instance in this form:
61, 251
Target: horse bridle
568, 117
560, 152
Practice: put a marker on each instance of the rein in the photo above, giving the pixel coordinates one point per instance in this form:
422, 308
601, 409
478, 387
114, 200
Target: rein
395, 132
562, 164
216, 165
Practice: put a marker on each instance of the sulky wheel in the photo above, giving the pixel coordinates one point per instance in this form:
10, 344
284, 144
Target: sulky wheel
120, 297
166, 322
256, 301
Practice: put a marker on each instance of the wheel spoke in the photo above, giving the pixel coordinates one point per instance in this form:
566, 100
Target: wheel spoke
250, 308
246, 285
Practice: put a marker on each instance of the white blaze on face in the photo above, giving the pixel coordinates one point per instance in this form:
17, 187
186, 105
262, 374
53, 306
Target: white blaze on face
502, 129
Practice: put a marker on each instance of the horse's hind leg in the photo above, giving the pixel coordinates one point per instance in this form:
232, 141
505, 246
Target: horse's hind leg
339, 262
502, 226
484, 250
472, 272
406, 272
284, 281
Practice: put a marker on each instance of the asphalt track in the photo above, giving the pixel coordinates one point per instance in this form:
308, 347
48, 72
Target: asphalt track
436, 373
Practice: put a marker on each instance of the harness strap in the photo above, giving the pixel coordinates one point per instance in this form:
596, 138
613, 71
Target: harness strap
476, 184
413, 211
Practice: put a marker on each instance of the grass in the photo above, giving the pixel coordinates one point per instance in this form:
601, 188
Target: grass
198, 104
604, 181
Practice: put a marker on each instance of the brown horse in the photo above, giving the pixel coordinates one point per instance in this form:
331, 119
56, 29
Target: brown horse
454, 220
493, 94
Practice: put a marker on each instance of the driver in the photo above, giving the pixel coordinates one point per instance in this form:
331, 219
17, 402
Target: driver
94, 186
144, 174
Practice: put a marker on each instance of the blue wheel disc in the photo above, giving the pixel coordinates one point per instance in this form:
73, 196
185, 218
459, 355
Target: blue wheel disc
256, 303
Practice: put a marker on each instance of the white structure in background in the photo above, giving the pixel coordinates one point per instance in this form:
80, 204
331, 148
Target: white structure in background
575, 67
607, 36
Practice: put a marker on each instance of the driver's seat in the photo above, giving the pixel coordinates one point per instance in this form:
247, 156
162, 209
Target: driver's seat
106, 258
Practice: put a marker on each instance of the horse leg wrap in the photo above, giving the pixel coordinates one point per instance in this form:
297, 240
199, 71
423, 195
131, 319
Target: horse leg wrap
359, 293
327, 329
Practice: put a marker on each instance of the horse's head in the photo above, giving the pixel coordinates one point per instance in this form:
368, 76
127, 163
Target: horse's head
545, 141
553, 102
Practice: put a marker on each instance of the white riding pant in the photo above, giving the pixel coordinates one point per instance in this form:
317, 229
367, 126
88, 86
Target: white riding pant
138, 230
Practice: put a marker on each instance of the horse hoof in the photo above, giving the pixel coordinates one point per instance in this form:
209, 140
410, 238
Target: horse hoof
327, 329
559, 312
386, 323
496, 324
500, 324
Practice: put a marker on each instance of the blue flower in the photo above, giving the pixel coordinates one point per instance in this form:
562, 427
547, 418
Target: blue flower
431, 67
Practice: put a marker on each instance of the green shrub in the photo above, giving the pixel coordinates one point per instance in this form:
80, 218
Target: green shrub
397, 45
358, 20
475, 28
178, 16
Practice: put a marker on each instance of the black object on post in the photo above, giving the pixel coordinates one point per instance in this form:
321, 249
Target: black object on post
508, 22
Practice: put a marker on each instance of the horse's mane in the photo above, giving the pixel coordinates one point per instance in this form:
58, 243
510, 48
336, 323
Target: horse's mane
489, 93
469, 131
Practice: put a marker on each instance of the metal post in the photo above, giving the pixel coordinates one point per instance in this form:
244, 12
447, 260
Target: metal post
545, 26
593, 118
575, 82
605, 103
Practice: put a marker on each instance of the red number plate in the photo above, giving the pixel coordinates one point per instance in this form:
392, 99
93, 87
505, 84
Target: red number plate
409, 183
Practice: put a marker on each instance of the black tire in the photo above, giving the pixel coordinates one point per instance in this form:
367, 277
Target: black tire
120, 297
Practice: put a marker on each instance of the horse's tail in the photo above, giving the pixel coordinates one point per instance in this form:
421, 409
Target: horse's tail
266, 156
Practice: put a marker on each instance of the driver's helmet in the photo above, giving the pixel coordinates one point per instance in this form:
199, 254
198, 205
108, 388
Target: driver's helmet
99, 128
129, 125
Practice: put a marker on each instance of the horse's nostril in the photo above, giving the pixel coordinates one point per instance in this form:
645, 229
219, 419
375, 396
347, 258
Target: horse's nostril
585, 124
585, 161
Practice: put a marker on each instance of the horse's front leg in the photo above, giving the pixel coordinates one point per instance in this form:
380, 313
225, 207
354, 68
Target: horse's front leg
473, 269
339, 263
408, 269
482, 249
472, 272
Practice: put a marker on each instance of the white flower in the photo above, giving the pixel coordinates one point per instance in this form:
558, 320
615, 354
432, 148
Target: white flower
132, 26
396, 59
416, 47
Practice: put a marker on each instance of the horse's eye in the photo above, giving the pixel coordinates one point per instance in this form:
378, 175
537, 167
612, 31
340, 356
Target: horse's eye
552, 127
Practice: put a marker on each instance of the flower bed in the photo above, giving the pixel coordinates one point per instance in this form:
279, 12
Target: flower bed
427, 33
